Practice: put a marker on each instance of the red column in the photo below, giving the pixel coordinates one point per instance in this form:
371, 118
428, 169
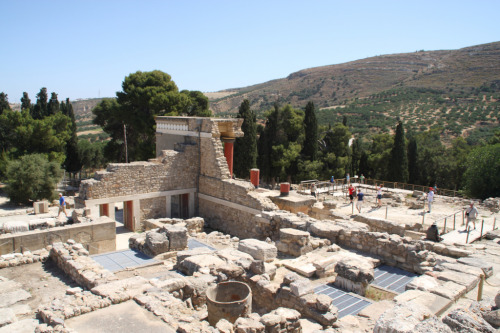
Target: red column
228, 153
254, 177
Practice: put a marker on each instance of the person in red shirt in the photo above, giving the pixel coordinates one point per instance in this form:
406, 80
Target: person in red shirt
351, 192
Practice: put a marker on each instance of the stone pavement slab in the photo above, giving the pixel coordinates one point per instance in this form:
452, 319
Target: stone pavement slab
123, 317
22, 326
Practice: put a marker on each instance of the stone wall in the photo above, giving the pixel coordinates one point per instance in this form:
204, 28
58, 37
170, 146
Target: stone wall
99, 236
413, 255
391, 227
161, 174
73, 259
233, 219
152, 208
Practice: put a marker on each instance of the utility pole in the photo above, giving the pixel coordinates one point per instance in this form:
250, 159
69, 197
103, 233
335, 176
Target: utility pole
125, 140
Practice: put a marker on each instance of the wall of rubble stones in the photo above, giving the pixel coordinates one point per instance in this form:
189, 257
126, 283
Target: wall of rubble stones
413, 255
235, 221
125, 179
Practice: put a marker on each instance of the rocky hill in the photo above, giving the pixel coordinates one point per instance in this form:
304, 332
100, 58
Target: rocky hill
464, 70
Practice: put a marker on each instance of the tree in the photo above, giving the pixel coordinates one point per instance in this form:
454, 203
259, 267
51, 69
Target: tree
25, 101
335, 145
31, 178
40, 109
398, 167
310, 148
413, 173
144, 95
72, 162
245, 148
4, 102
53, 105
197, 105
482, 177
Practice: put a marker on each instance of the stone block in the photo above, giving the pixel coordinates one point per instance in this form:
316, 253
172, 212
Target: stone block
103, 229
301, 287
467, 280
434, 303
156, 242
41, 207
478, 262
6, 244
259, 250
193, 264
299, 237
402, 318
177, 235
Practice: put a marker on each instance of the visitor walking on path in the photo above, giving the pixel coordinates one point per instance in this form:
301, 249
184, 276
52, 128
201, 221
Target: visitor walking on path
313, 190
351, 192
347, 179
62, 205
379, 195
430, 198
332, 181
359, 203
472, 214
362, 179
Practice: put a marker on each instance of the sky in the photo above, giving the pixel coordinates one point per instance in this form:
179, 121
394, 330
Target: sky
84, 49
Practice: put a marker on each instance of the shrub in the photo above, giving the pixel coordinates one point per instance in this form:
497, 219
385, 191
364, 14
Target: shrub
31, 178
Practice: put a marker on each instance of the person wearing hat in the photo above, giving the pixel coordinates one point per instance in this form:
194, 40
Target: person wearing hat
62, 205
433, 233
430, 198
472, 214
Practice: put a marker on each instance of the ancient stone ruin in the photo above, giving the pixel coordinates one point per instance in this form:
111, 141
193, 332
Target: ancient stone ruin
233, 257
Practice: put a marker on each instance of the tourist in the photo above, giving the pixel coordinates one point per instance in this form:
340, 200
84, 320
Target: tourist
332, 181
359, 203
430, 198
433, 233
347, 179
62, 205
351, 192
313, 189
471, 214
362, 179
379, 195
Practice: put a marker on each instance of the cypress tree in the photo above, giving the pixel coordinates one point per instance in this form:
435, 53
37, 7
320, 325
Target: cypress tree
310, 148
412, 161
4, 102
73, 161
245, 148
40, 109
53, 105
398, 166
25, 101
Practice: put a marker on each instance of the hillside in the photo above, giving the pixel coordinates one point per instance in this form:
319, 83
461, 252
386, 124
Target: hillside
460, 70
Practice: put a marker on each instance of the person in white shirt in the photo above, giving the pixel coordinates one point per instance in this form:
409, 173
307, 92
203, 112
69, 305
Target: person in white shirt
430, 198
472, 214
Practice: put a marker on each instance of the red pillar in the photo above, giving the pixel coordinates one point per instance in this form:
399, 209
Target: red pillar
254, 177
228, 153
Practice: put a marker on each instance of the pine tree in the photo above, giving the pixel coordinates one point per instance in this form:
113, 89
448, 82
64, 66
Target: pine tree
398, 166
25, 101
310, 148
245, 148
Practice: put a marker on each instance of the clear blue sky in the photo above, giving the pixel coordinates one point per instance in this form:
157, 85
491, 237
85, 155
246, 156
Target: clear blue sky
80, 49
